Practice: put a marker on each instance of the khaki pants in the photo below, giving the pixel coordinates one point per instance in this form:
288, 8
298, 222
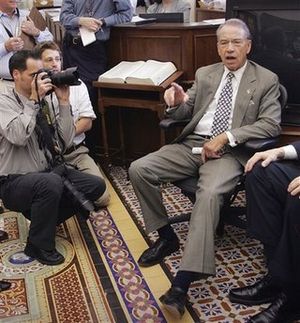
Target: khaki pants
80, 159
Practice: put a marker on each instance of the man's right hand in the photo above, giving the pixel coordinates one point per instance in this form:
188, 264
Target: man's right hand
175, 95
91, 24
14, 44
43, 86
266, 157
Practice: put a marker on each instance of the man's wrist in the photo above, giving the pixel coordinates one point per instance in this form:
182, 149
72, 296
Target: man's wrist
37, 33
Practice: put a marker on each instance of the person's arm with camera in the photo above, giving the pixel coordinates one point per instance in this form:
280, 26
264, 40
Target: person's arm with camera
40, 86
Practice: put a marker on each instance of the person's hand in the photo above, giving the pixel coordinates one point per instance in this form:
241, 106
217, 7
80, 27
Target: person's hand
175, 95
62, 94
90, 23
266, 157
40, 87
14, 44
294, 187
29, 28
212, 149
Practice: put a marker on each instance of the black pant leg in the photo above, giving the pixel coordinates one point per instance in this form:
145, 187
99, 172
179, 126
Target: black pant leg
266, 194
37, 195
284, 264
274, 218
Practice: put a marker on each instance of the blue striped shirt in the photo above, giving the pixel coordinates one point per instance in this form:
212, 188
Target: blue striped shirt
114, 12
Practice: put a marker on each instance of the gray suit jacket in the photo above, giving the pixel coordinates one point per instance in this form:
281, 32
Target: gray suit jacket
257, 111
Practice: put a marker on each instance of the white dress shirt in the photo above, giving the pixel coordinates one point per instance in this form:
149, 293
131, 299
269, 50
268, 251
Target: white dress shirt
11, 23
81, 107
205, 124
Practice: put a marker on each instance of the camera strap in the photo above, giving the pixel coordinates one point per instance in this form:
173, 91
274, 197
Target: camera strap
43, 132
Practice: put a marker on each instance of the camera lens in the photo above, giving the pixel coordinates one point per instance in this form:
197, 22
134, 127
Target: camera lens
70, 76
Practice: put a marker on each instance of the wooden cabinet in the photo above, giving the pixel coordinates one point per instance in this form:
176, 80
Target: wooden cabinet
188, 46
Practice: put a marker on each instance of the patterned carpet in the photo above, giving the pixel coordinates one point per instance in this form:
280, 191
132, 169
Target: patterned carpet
239, 259
70, 292
100, 280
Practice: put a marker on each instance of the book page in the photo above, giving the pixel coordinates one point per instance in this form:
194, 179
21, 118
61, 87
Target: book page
119, 72
87, 36
152, 72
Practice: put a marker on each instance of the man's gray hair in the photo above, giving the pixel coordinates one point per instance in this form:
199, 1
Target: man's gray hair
235, 23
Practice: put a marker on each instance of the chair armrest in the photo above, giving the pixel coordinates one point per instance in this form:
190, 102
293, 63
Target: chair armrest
172, 123
261, 144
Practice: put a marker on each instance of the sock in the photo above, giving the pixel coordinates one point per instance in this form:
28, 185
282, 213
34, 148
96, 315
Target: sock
184, 278
166, 232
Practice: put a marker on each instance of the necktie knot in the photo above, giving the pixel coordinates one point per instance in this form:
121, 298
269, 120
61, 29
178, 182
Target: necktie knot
230, 76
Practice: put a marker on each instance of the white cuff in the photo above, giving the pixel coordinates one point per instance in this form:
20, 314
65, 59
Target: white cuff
231, 138
290, 152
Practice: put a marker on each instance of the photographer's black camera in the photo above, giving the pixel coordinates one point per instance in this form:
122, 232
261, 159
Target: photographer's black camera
69, 76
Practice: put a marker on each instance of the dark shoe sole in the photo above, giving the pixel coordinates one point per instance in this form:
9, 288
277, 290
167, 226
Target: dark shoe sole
149, 264
237, 300
42, 261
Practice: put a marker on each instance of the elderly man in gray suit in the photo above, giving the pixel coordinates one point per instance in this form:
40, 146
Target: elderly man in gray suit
229, 103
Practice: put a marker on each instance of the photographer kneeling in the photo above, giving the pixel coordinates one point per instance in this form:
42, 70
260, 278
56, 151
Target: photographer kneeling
33, 136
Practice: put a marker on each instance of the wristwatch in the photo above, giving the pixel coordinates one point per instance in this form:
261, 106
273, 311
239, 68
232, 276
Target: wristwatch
103, 22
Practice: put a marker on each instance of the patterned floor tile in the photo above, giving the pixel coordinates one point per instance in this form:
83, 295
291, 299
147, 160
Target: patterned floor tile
239, 258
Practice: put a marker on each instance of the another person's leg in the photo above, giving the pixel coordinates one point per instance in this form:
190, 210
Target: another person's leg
284, 268
272, 216
216, 178
83, 162
170, 163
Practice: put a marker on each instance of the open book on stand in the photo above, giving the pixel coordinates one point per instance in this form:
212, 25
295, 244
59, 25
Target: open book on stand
150, 72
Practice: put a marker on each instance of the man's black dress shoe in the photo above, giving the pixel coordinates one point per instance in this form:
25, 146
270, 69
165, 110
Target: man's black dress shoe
156, 253
46, 257
3, 235
263, 291
4, 285
279, 311
174, 301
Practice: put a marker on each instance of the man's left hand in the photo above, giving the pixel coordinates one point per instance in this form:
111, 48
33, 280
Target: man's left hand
294, 187
212, 149
29, 28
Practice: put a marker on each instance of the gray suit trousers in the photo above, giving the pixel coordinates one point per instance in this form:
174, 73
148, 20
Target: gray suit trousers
216, 178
